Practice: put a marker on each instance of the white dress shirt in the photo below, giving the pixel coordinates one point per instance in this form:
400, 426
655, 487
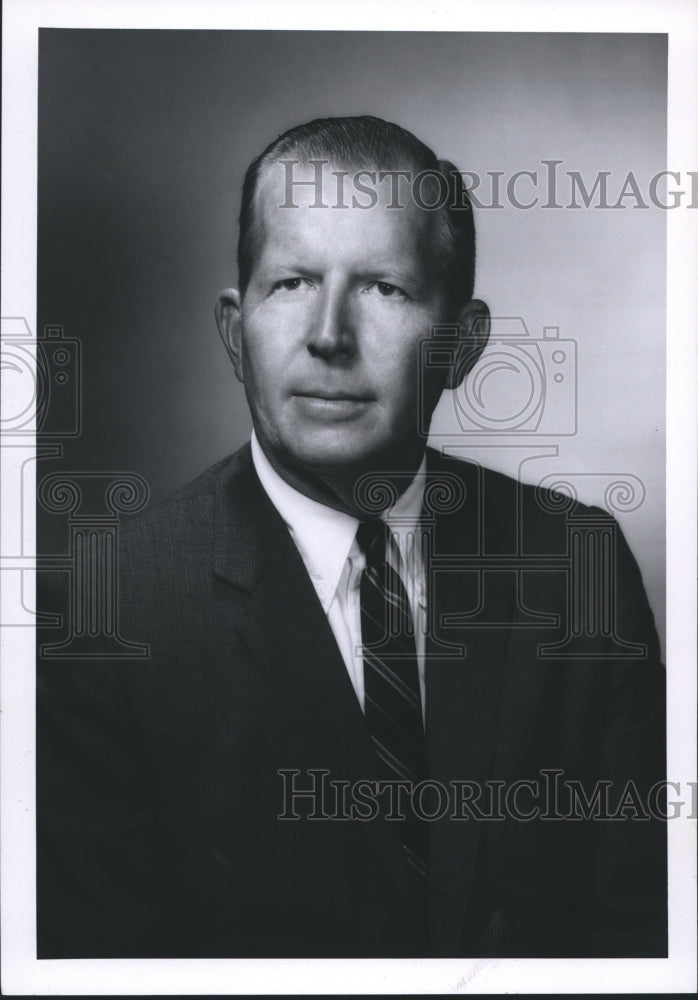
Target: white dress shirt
326, 540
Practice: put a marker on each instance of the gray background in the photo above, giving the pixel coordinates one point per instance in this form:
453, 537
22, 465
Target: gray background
143, 141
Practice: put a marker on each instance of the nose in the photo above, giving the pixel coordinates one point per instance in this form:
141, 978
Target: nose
331, 335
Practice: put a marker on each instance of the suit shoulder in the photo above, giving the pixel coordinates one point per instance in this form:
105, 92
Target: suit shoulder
186, 512
507, 492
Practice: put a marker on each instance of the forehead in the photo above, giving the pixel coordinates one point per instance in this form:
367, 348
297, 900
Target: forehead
340, 211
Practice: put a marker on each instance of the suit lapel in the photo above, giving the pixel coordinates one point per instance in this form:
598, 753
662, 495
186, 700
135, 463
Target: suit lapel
462, 695
287, 632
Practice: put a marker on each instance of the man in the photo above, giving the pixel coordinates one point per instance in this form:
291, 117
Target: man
350, 739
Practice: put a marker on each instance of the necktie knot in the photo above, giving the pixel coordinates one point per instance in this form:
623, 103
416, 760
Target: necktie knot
372, 539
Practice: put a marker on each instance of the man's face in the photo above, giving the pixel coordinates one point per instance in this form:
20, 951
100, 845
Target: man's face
331, 321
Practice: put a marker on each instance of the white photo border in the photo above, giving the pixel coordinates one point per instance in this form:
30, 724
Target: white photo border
21, 972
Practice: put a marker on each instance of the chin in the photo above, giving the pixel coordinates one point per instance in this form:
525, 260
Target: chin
329, 459
321, 450
342, 460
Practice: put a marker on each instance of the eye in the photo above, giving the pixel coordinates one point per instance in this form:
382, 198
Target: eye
288, 284
388, 291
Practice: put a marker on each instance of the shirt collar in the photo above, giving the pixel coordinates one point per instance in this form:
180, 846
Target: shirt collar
323, 535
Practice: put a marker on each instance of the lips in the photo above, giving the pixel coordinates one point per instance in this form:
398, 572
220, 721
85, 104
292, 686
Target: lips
325, 406
334, 396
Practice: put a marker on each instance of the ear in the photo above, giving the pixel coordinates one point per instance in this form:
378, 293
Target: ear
229, 322
474, 322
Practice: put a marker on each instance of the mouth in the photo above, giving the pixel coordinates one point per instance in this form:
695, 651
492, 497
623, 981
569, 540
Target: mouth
323, 404
332, 395
328, 396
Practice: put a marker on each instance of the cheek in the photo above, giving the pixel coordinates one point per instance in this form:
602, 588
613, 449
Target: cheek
271, 333
261, 358
414, 386
398, 362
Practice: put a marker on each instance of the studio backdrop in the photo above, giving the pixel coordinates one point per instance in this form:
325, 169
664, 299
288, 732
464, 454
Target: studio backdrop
144, 137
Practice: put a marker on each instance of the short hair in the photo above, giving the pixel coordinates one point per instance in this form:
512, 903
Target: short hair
369, 142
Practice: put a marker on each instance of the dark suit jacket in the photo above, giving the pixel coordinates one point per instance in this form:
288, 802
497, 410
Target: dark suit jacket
158, 779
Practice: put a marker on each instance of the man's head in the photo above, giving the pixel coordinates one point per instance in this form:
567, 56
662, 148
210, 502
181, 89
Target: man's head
370, 144
354, 242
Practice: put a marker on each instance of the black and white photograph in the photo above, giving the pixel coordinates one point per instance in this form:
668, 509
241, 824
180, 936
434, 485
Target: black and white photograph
348, 556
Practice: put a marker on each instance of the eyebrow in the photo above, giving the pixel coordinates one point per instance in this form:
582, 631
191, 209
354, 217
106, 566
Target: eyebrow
386, 268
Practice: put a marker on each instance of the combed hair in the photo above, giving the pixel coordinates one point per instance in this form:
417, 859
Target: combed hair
366, 142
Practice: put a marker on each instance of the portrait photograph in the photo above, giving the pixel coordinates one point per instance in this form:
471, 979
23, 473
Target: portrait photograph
348, 556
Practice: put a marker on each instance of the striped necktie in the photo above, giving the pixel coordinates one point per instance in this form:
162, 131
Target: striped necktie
392, 700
